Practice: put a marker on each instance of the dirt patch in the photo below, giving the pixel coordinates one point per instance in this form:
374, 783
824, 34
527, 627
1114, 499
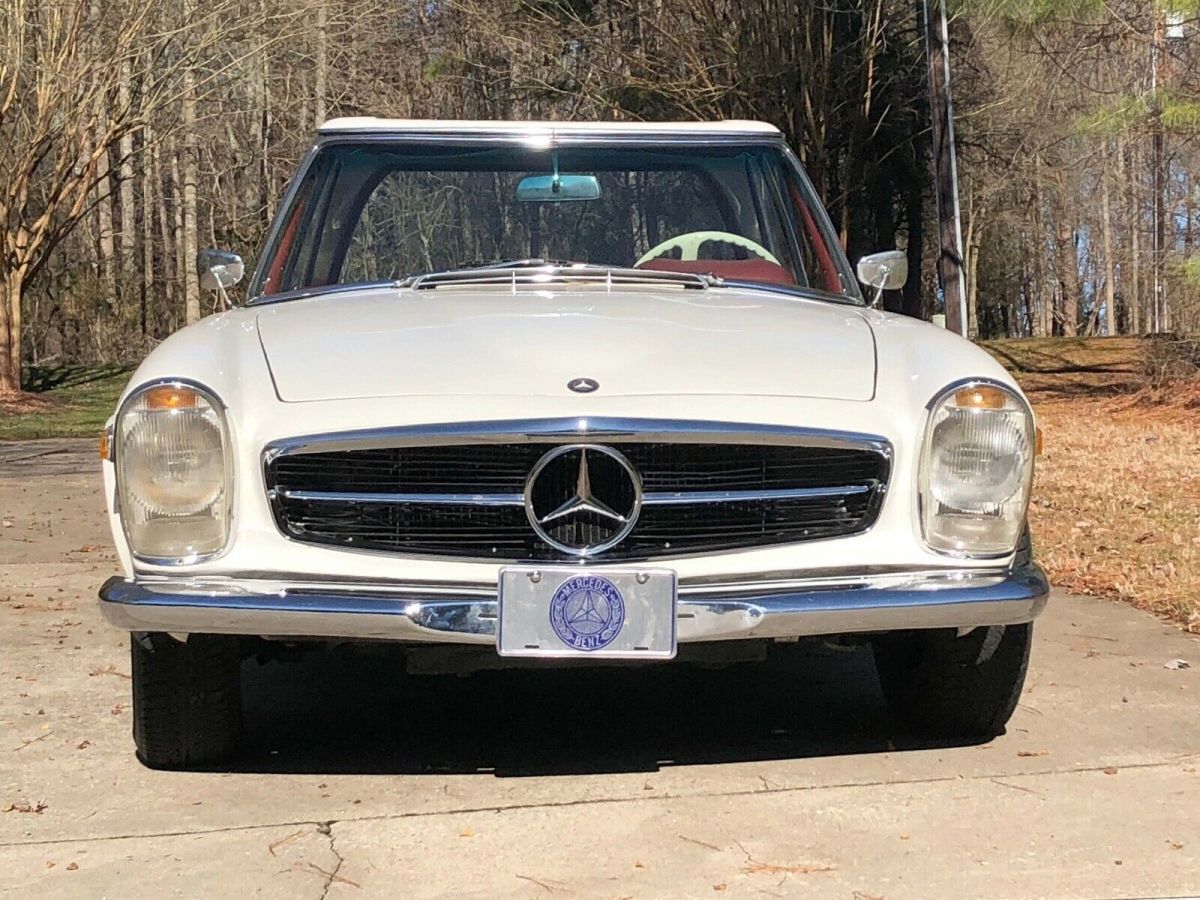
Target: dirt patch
1059, 368
24, 404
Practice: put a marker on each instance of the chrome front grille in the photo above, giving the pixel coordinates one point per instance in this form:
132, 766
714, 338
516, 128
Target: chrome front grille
705, 487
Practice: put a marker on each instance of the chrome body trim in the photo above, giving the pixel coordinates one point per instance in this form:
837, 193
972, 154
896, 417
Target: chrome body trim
954, 598
606, 428
663, 498
654, 498
402, 499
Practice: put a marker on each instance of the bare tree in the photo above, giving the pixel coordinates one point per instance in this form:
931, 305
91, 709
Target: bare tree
68, 69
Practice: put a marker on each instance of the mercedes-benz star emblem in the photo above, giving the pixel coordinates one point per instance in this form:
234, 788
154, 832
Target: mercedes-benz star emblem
587, 612
583, 499
583, 385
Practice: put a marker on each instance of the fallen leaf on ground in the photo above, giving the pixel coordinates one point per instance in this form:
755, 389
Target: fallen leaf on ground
35, 808
1033, 753
1110, 771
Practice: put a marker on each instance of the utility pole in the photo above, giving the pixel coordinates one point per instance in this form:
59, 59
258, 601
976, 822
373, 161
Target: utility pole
951, 277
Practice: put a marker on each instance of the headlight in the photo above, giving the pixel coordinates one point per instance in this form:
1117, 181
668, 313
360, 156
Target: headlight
976, 470
174, 481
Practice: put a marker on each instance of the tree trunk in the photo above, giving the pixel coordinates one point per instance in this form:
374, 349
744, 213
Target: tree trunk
321, 75
167, 281
1042, 319
127, 240
1134, 216
177, 242
147, 175
950, 262
1068, 271
1110, 293
191, 280
104, 218
971, 262
11, 288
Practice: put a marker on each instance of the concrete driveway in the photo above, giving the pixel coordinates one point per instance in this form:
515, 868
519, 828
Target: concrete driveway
780, 779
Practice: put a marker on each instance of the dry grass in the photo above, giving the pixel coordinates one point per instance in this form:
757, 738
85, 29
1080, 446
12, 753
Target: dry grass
1116, 505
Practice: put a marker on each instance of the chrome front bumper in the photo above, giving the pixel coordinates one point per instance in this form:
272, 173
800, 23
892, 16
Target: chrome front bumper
770, 608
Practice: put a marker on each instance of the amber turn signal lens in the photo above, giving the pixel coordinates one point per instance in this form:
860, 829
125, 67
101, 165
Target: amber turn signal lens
104, 447
1040, 441
171, 398
980, 398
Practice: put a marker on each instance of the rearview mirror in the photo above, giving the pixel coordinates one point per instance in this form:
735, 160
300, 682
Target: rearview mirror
219, 269
887, 271
557, 188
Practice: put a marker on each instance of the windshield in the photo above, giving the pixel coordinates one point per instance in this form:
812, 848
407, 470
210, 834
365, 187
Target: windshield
377, 211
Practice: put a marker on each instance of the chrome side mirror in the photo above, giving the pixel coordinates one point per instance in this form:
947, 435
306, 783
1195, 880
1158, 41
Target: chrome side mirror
887, 271
218, 270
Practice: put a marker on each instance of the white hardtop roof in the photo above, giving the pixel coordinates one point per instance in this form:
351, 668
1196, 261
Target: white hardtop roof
544, 128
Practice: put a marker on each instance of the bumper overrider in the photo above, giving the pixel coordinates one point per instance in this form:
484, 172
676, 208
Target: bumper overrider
769, 607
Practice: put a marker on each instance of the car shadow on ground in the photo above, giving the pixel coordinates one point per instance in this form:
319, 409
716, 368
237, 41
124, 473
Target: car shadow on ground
348, 711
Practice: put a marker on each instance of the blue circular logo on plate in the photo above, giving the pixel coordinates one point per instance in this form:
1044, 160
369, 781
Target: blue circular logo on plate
587, 612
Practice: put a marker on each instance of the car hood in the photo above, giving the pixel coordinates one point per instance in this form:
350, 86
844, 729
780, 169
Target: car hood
493, 341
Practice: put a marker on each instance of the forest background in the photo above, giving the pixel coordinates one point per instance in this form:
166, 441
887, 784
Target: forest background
134, 132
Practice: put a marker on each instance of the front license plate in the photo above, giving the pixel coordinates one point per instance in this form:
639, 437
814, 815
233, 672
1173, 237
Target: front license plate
561, 611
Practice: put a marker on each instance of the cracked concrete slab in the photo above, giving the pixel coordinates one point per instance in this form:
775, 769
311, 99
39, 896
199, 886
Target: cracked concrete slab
283, 862
781, 778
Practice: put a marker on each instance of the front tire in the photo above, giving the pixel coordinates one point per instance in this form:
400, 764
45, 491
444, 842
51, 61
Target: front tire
187, 699
948, 686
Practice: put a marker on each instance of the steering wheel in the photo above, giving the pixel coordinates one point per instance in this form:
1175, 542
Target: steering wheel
689, 246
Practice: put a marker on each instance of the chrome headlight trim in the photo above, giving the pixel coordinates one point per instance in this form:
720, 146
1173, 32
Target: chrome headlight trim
923, 486
221, 410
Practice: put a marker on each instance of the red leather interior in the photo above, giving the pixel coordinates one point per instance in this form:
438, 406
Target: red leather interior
829, 280
735, 269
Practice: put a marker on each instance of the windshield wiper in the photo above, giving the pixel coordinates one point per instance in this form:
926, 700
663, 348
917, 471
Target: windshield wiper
536, 261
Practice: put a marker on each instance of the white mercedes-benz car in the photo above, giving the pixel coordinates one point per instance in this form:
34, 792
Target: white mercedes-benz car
530, 393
